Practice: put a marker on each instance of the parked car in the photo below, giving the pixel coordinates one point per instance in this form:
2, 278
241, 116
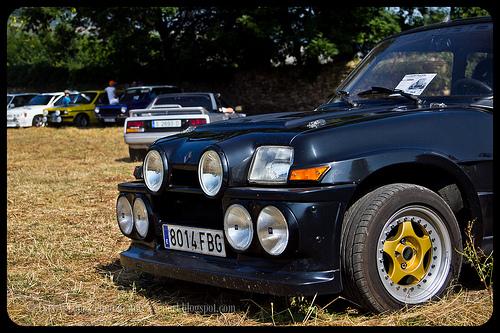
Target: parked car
170, 114
31, 114
19, 99
80, 111
369, 195
132, 98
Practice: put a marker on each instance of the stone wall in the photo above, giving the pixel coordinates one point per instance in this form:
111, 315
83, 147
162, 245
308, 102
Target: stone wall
276, 90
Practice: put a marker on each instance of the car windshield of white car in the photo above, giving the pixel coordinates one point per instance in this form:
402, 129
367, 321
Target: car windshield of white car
40, 100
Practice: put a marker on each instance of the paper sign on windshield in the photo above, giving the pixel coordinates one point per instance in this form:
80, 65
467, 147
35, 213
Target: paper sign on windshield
415, 84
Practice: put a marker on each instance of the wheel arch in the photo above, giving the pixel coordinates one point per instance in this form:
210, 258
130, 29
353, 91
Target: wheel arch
435, 172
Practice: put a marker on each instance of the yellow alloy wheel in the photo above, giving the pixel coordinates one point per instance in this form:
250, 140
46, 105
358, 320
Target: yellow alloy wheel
409, 251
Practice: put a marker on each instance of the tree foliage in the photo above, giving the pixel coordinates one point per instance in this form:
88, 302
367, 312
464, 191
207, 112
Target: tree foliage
200, 40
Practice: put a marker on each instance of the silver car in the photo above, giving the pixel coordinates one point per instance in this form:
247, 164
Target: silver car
170, 114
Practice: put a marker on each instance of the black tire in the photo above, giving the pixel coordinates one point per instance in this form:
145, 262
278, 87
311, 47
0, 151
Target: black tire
37, 121
136, 154
82, 120
396, 217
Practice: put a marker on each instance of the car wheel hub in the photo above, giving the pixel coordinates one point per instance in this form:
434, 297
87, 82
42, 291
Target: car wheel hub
413, 254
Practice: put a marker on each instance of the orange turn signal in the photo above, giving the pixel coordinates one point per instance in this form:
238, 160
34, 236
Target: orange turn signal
314, 173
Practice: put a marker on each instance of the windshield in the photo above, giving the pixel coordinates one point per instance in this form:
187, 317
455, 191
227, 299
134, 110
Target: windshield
83, 98
451, 61
60, 100
133, 95
187, 101
40, 100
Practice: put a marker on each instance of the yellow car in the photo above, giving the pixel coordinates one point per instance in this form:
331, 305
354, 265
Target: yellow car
79, 112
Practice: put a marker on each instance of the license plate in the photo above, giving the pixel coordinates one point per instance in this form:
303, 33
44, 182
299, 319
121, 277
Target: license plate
166, 123
198, 240
109, 120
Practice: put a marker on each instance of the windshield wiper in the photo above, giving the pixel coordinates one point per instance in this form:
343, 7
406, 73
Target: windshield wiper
387, 91
344, 96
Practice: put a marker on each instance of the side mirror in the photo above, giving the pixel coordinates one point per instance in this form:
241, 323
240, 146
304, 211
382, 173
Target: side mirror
238, 108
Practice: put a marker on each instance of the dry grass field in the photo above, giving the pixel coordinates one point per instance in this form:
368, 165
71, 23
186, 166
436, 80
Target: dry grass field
63, 246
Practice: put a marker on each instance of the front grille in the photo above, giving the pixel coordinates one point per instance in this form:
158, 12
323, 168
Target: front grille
182, 177
193, 210
109, 112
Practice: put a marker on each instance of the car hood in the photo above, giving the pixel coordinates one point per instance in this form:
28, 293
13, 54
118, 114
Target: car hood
292, 122
238, 138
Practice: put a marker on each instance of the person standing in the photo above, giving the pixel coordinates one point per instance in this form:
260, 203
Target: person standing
66, 99
111, 91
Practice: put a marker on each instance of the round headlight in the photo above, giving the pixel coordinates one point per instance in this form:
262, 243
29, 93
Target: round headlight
210, 173
153, 171
141, 219
238, 227
272, 230
124, 109
96, 110
57, 112
45, 112
124, 215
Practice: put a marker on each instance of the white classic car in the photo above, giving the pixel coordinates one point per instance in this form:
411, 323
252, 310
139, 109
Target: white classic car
31, 114
170, 114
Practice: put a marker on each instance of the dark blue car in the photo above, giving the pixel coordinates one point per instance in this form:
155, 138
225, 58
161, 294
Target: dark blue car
372, 195
132, 98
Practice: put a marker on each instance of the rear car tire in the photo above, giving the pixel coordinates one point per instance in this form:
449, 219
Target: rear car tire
400, 246
136, 154
37, 121
82, 120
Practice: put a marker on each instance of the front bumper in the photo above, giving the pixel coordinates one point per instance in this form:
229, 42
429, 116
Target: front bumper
310, 265
229, 272
112, 118
61, 119
18, 122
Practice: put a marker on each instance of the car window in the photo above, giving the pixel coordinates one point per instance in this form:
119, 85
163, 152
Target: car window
391, 70
102, 99
133, 95
479, 67
59, 101
20, 100
40, 100
450, 60
84, 98
187, 101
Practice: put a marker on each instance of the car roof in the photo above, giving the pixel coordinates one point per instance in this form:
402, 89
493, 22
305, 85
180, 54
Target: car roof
186, 94
465, 21
54, 93
151, 87
21, 94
